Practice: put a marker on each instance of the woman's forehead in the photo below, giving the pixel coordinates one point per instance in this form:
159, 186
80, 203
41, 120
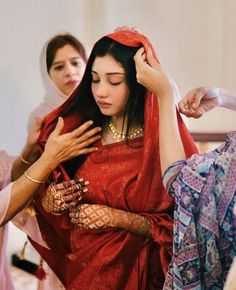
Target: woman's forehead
107, 65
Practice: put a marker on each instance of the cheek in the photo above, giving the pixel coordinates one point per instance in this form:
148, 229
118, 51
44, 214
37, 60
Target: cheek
124, 96
93, 89
55, 76
80, 70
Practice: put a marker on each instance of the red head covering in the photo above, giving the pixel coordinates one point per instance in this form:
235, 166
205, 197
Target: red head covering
146, 193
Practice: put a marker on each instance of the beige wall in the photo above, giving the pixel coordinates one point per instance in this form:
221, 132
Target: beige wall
195, 41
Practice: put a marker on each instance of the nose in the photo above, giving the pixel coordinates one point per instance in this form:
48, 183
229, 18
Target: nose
70, 70
101, 90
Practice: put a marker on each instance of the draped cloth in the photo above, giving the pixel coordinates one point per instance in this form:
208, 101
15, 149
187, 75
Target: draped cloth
124, 176
204, 188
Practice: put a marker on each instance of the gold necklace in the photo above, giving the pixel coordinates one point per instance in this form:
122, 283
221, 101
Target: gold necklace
118, 136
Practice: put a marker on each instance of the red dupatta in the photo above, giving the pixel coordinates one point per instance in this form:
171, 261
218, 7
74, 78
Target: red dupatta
155, 203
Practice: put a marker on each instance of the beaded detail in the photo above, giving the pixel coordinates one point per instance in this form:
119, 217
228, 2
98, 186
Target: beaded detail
119, 136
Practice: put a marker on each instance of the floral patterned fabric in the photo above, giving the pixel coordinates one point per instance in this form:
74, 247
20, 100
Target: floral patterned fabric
204, 188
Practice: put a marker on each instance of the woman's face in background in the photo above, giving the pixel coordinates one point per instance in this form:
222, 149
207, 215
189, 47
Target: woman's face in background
109, 86
67, 69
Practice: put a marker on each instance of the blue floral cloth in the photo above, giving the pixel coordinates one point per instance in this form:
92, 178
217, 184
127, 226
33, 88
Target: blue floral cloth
204, 188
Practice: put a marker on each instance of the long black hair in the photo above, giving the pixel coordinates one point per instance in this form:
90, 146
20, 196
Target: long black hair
84, 101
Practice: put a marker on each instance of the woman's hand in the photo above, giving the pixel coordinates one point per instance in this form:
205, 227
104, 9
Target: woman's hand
94, 216
199, 101
62, 147
91, 216
60, 197
34, 132
30, 151
151, 75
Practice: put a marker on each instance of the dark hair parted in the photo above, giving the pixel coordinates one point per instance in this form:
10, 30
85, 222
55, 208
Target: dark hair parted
84, 101
58, 42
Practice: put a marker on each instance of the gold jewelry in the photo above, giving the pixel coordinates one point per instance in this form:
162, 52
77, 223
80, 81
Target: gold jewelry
32, 179
118, 136
24, 160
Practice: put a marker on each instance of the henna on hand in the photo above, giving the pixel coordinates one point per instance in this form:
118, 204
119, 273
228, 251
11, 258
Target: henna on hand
60, 197
93, 216
132, 222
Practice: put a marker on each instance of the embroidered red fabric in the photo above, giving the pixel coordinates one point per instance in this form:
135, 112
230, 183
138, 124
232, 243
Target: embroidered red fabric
123, 177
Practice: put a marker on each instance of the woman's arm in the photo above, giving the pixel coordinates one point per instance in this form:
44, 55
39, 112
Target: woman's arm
93, 216
152, 76
30, 152
201, 100
59, 148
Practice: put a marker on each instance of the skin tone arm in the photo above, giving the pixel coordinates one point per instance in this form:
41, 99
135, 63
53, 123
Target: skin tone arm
109, 217
201, 100
152, 76
59, 148
29, 153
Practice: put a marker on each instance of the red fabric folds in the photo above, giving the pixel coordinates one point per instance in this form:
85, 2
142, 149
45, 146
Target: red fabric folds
124, 177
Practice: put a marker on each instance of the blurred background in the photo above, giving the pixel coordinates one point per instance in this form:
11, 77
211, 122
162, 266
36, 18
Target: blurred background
195, 41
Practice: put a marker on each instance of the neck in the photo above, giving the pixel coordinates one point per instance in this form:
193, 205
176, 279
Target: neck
120, 123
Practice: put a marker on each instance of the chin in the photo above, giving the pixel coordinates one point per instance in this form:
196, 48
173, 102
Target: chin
106, 112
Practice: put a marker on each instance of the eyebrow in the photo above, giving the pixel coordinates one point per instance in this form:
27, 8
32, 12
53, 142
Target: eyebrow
110, 73
60, 61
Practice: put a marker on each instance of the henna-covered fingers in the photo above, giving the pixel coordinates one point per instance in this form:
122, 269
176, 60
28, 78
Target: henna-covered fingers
60, 197
91, 216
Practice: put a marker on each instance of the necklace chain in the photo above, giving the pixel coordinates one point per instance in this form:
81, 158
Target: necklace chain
118, 136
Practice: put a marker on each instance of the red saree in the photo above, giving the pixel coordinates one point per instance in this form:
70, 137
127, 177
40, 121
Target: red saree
120, 176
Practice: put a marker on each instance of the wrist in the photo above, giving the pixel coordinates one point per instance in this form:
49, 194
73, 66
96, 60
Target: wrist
47, 162
29, 154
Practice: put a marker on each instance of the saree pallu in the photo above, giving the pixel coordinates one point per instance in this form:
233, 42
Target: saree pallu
114, 258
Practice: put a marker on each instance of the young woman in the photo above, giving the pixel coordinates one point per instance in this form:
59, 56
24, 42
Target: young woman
121, 236
15, 196
203, 186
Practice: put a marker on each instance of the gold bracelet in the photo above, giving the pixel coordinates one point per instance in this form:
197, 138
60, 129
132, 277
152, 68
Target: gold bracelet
32, 179
24, 161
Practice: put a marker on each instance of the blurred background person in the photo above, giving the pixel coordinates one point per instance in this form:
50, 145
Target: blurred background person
62, 63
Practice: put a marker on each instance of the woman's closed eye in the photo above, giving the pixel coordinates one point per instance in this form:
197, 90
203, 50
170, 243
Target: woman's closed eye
116, 83
95, 81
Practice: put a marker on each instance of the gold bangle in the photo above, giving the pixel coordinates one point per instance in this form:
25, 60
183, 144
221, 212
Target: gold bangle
24, 161
32, 179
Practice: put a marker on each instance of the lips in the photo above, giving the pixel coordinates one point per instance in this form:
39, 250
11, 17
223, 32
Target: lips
72, 83
103, 105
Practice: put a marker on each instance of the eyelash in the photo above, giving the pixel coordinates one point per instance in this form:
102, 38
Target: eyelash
113, 84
